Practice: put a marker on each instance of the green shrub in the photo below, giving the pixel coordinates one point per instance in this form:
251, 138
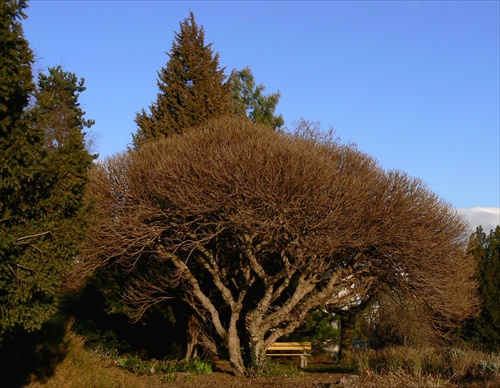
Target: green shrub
169, 377
197, 366
134, 364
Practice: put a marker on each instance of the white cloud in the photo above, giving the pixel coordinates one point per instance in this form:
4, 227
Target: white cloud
487, 217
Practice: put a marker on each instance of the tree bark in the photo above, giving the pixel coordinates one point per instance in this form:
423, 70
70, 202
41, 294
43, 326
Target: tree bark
234, 347
193, 331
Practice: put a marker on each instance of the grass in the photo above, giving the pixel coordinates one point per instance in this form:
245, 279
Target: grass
74, 365
460, 366
390, 367
83, 368
276, 368
400, 379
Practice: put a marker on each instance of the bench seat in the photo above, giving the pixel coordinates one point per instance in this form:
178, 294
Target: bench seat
291, 349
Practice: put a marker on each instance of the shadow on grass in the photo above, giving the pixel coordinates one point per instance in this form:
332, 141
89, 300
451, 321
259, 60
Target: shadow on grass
329, 367
27, 357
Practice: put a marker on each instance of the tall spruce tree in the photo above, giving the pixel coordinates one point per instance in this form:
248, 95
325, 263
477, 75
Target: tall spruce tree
484, 330
250, 101
192, 87
19, 144
20, 181
41, 181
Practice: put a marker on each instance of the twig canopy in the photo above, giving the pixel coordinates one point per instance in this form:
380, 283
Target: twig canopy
254, 228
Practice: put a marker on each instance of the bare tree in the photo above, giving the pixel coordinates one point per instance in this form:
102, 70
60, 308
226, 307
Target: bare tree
254, 228
398, 320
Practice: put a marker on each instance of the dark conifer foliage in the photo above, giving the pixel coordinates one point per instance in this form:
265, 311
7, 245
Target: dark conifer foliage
44, 165
19, 149
59, 115
20, 180
16, 60
484, 330
191, 87
250, 101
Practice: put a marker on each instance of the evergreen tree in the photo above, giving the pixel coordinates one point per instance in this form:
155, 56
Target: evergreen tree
58, 114
58, 110
249, 100
41, 181
20, 181
18, 143
484, 330
192, 87
320, 327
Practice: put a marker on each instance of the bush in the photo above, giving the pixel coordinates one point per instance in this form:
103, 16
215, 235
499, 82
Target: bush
273, 369
471, 365
134, 364
198, 366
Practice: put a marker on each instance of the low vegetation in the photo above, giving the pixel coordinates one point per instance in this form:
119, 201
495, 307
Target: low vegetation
447, 364
80, 366
83, 368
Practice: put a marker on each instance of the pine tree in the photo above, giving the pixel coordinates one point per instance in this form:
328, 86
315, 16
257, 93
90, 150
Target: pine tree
41, 181
249, 100
18, 143
192, 87
20, 181
484, 330
490, 290
58, 114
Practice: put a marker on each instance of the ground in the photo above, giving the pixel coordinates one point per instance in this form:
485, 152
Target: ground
222, 377
218, 379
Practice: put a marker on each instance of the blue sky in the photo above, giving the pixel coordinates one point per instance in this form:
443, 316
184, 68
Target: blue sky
413, 83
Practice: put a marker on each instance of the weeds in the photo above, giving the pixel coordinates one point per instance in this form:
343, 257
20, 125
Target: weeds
400, 379
273, 369
149, 367
390, 367
459, 365
84, 368
472, 364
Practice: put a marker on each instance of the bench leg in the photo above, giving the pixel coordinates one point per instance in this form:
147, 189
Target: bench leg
303, 361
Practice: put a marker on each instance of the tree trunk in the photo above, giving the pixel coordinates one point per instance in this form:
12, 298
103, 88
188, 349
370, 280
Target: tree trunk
347, 323
193, 331
257, 353
234, 347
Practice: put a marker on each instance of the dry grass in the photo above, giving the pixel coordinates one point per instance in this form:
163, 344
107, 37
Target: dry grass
430, 366
83, 368
392, 367
398, 380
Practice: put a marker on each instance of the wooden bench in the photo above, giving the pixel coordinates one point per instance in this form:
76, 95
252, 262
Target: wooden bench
291, 349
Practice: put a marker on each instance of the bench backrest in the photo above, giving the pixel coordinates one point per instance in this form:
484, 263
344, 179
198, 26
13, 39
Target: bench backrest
304, 346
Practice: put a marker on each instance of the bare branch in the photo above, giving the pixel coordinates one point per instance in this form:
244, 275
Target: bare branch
257, 227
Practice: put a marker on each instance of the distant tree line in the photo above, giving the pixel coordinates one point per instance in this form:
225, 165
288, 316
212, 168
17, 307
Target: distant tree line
484, 330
